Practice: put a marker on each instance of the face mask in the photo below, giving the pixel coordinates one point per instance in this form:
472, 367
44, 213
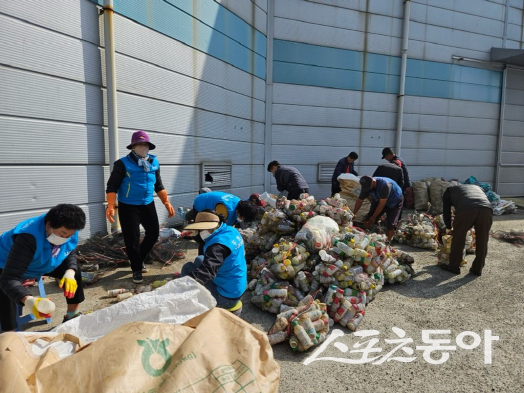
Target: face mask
205, 234
141, 150
57, 240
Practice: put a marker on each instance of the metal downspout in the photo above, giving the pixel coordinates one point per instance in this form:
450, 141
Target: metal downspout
268, 129
505, 31
501, 129
405, 44
502, 102
112, 118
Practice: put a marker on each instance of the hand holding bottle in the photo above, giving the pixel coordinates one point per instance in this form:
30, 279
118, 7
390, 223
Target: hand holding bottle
40, 307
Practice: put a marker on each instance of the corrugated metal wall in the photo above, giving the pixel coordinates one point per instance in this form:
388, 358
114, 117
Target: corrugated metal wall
511, 172
51, 110
189, 73
196, 107
192, 74
337, 67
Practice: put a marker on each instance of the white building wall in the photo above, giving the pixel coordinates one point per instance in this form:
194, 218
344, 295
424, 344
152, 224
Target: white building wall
448, 130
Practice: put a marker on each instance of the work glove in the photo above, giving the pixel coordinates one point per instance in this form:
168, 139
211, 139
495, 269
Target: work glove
40, 307
110, 211
163, 197
70, 283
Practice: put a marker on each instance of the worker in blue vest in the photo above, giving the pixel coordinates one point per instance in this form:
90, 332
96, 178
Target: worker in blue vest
135, 178
222, 267
232, 208
386, 197
38, 246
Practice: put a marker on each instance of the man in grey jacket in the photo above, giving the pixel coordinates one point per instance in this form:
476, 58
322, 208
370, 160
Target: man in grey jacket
472, 209
288, 179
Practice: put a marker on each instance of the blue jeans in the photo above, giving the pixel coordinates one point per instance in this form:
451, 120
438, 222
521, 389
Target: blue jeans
222, 302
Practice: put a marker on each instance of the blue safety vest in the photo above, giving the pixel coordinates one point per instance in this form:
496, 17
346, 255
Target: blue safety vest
138, 186
209, 200
395, 195
43, 262
231, 278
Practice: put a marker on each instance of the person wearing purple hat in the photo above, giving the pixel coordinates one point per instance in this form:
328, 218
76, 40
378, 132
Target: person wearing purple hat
134, 179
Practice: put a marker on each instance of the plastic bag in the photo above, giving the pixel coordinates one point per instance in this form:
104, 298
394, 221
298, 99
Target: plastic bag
471, 180
317, 233
176, 302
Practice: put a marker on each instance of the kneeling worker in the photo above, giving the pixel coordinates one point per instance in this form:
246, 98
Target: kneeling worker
386, 197
222, 269
40, 246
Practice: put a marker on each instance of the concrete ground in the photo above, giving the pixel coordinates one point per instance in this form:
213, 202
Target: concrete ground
433, 300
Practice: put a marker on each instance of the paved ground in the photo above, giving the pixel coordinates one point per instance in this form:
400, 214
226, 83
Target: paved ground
433, 300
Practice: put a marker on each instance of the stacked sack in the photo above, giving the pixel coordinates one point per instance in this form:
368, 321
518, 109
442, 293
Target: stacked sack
350, 185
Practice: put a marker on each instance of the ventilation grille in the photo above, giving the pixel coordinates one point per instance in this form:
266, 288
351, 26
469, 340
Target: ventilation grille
216, 175
325, 171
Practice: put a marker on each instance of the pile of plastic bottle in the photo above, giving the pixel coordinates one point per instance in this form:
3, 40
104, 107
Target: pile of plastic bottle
277, 221
301, 210
255, 241
445, 250
304, 326
269, 293
318, 255
288, 258
418, 230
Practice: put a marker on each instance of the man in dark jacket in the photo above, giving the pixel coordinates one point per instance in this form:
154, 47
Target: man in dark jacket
389, 154
392, 171
344, 165
222, 269
472, 209
288, 179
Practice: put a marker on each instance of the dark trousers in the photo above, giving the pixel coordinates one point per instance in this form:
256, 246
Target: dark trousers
222, 302
392, 213
295, 194
480, 218
335, 188
131, 217
8, 307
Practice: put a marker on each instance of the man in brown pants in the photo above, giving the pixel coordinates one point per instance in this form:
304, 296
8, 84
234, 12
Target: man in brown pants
472, 209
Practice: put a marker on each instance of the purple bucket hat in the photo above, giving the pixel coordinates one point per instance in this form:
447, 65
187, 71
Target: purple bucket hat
140, 137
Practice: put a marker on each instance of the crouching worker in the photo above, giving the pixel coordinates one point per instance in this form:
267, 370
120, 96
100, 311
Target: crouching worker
386, 197
40, 246
222, 269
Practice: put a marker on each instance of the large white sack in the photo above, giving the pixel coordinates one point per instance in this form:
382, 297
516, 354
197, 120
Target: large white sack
176, 302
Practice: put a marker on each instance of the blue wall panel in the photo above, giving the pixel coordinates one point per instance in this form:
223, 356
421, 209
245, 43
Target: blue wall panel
313, 65
204, 25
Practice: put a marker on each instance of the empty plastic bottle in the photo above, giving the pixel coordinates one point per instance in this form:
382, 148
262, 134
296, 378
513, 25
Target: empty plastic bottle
301, 334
